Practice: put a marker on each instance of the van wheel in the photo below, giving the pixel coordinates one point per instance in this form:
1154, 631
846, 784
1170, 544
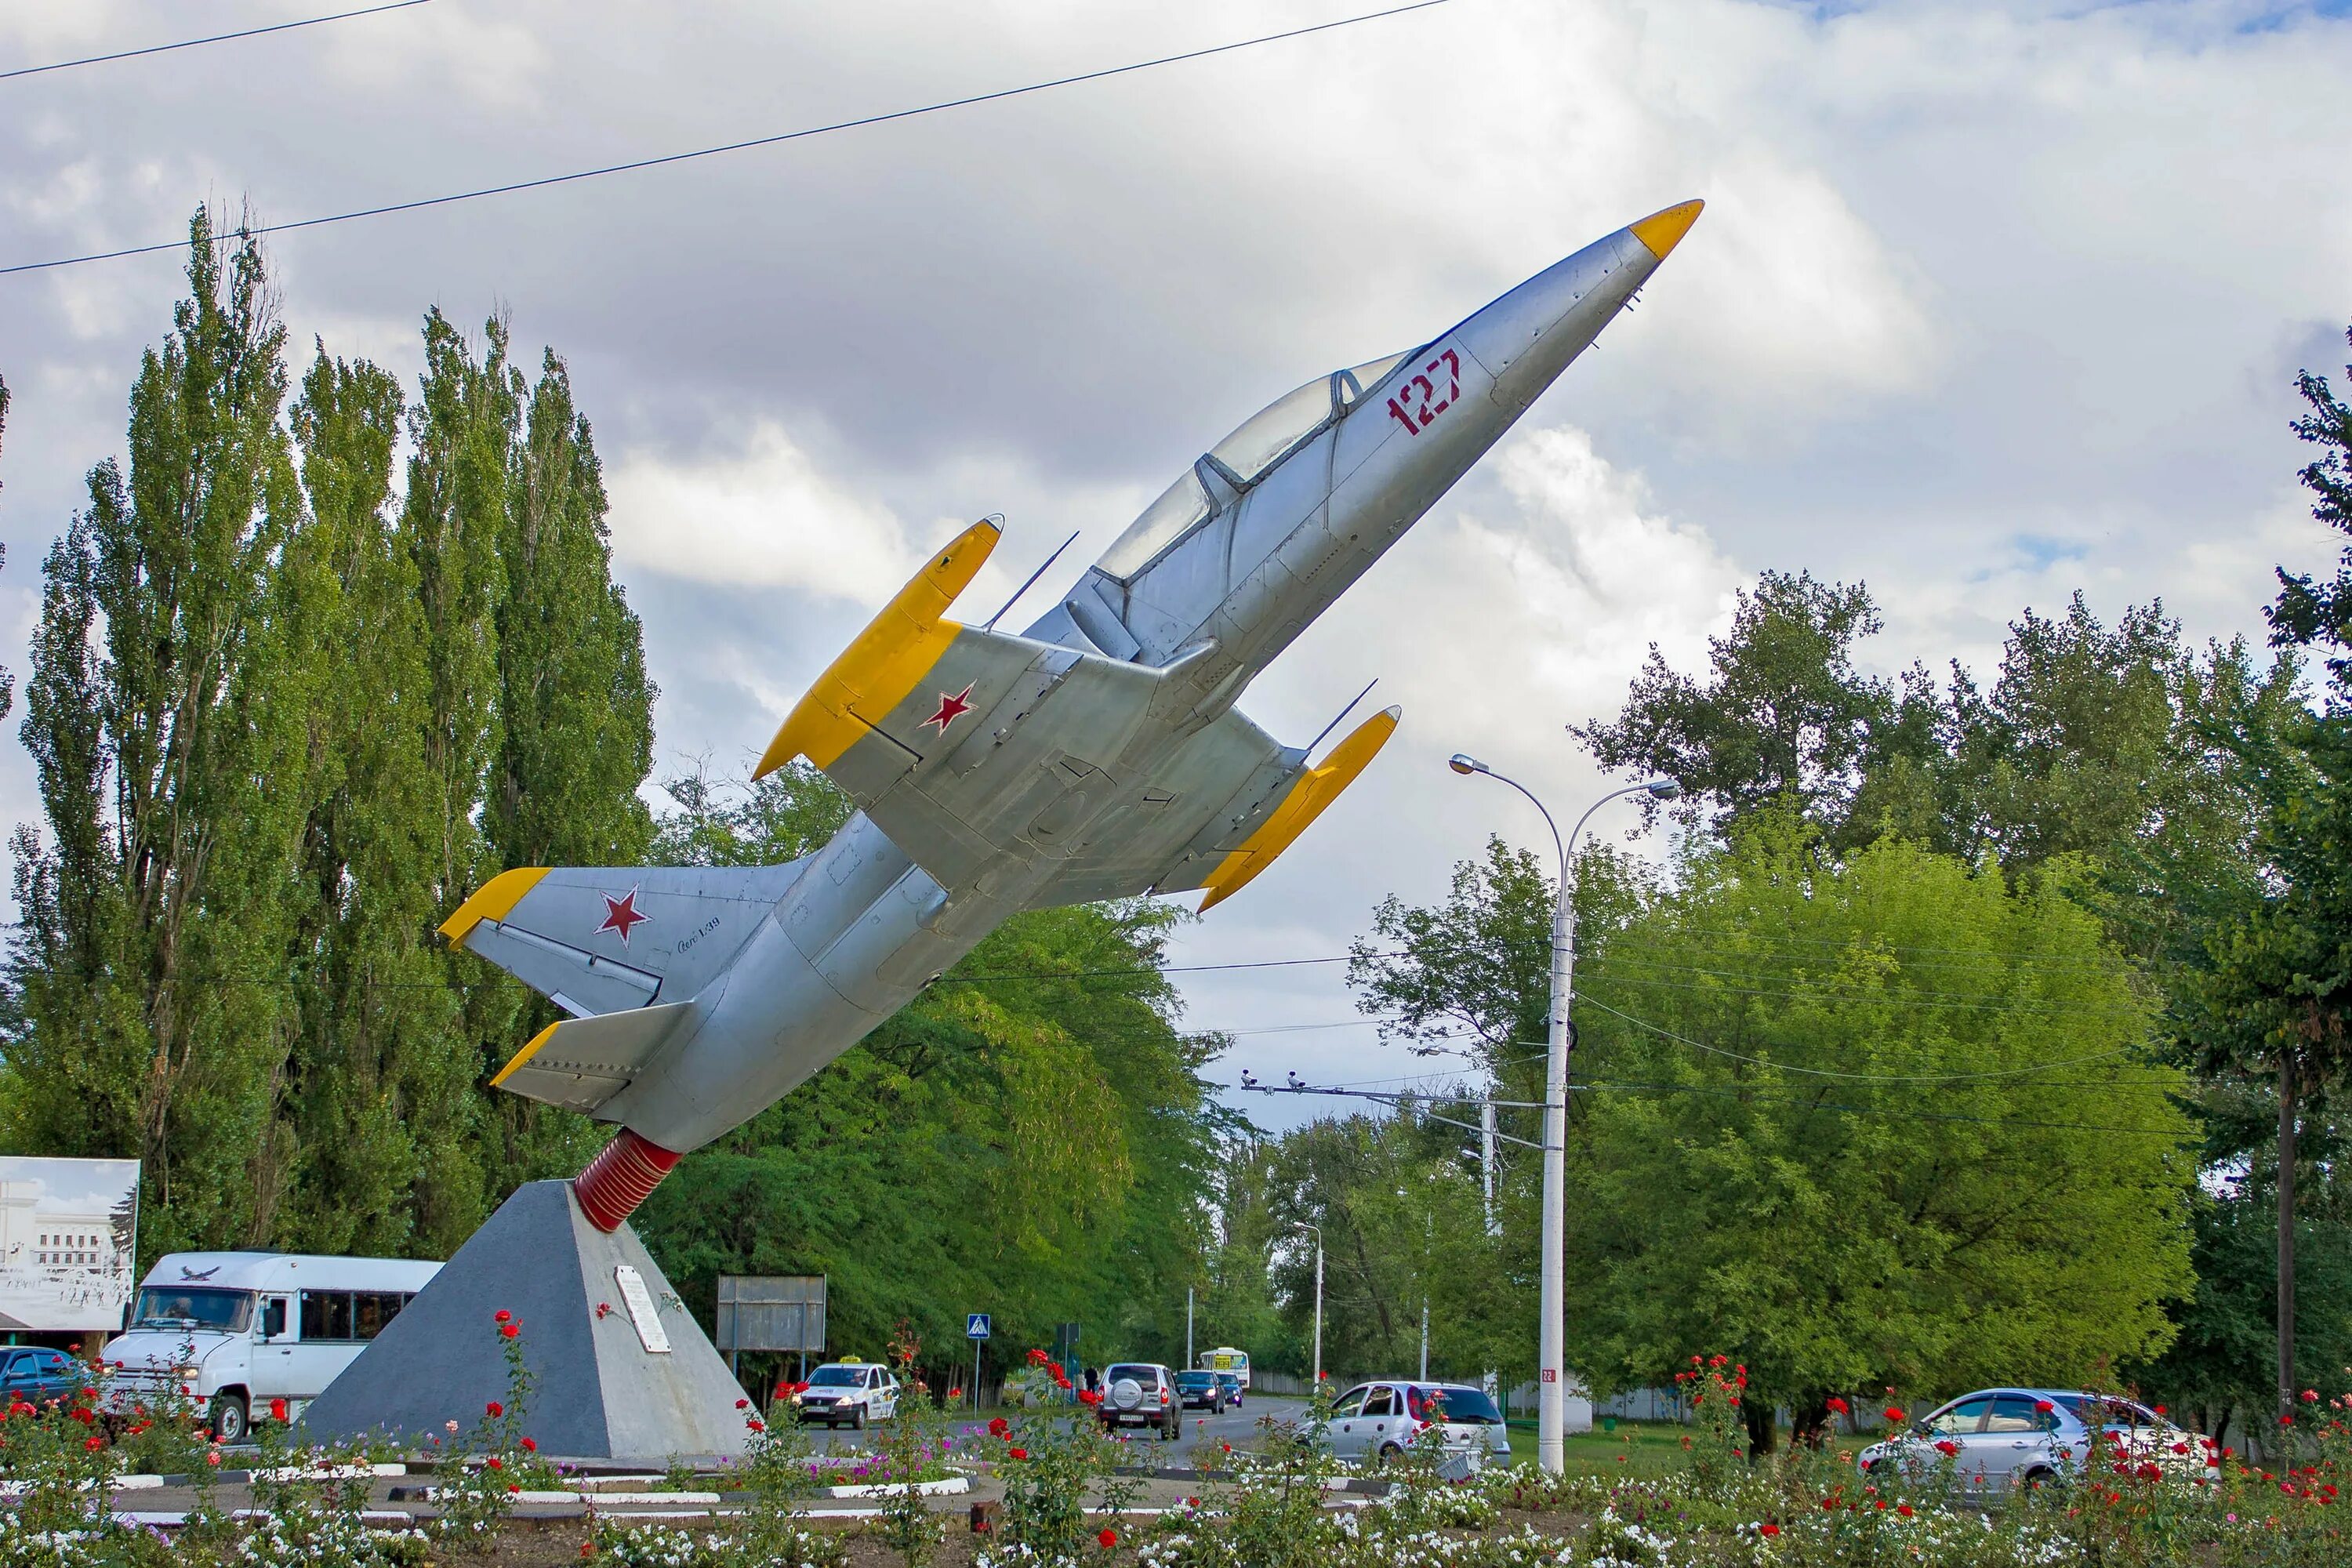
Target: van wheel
857, 1421
229, 1420
2035, 1479
1390, 1454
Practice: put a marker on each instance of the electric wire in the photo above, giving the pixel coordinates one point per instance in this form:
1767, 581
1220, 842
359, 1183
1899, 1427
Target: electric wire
631, 165
214, 38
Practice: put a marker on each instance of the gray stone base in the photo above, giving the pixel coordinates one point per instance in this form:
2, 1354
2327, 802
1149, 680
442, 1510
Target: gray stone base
601, 1393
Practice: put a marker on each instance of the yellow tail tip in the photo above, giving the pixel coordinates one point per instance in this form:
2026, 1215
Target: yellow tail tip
1662, 231
493, 901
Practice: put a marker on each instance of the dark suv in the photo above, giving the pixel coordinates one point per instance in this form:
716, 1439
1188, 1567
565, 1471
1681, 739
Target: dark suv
1203, 1391
1142, 1394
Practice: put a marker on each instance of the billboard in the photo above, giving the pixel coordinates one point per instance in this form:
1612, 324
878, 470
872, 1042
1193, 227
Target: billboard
772, 1312
67, 1235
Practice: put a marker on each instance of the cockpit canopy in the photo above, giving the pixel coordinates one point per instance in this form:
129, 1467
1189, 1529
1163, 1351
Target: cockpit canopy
1240, 459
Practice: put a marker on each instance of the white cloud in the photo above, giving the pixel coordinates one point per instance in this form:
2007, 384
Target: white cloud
765, 517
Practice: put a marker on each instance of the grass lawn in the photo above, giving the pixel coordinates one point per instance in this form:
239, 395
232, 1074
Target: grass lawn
1640, 1449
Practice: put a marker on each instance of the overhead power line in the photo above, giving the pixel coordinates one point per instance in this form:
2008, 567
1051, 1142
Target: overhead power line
968, 101
214, 38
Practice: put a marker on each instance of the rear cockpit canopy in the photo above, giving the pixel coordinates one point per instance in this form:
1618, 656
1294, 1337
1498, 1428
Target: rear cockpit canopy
1228, 469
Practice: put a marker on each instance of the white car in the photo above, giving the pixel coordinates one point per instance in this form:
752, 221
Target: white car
234, 1330
1377, 1422
1999, 1439
852, 1393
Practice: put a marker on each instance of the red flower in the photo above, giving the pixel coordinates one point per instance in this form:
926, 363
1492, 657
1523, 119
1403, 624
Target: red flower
493, 1462
1767, 1528
755, 1424
1904, 1509
494, 1409
1016, 1453
2311, 1396
1089, 1396
587, 1549
502, 1316
742, 1405
528, 1446
95, 1444
1894, 1412
1038, 1358
1837, 1404
955, 1393
1000, 1426
512, 1330
1947, 1448
2042, 1406
213, 1458
1107, 1538
278, 1410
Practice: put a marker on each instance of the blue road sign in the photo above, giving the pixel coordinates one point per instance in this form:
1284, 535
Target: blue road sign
975, 1325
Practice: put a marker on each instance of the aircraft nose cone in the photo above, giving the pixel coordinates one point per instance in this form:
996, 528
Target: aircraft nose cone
1662, 231
1528, 336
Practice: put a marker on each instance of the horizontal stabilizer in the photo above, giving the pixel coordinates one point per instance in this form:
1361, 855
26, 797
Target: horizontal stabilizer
580, 1063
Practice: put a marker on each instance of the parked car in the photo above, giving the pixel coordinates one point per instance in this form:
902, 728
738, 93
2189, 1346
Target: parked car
231, 1329
2001, 1439
38, 1377
1234, 1386
1202, 1390
1376, 1421
1142, 1394
854, 1392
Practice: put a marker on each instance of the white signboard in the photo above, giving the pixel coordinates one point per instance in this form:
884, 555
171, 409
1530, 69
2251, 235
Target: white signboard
642, 1311
69, 1230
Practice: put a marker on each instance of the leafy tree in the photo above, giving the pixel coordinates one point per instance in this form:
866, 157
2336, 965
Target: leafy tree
167, 727
1877, 1122
1404, 1230
1783, 714
379, 1088
2269, 981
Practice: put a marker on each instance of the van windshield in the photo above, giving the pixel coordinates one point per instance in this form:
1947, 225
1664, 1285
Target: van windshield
193, 1307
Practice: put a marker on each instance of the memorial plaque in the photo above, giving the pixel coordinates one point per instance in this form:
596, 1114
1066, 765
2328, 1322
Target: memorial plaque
642, 1309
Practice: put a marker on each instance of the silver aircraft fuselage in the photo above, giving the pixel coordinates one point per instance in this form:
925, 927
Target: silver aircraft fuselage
1096, 755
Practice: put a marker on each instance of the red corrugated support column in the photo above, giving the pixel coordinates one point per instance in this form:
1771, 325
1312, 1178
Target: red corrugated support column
618, 1180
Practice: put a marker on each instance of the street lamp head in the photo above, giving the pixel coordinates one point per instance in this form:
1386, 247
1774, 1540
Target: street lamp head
1662, 789
1464, 764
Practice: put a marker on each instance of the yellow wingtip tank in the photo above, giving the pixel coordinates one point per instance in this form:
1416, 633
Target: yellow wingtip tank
885, 661
1317, 787
493, 901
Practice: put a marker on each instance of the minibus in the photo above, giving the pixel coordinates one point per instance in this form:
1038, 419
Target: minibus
233, 1331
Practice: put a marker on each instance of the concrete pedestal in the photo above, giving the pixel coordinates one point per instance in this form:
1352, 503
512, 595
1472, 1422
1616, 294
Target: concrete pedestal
601, 1393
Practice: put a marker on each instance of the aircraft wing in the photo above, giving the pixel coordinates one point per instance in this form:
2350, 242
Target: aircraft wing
967, 746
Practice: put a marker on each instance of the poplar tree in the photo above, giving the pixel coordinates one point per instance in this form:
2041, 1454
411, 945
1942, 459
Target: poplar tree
378, 1094
165, 722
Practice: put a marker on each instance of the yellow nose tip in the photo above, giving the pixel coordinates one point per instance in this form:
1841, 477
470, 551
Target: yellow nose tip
1662, 231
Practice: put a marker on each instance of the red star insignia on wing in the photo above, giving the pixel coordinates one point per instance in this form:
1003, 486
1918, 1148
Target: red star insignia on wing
950, 710
621, 915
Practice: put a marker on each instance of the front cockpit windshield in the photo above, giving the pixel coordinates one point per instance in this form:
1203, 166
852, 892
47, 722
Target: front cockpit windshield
1257, 445
193, 1307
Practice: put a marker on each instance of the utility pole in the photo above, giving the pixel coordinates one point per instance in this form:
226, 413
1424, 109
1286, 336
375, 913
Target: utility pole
1188, 1328
1318, 1303
1490, 1380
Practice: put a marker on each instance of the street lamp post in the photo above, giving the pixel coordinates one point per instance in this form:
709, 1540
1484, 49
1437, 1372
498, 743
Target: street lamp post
1318, 1303
1551, 1407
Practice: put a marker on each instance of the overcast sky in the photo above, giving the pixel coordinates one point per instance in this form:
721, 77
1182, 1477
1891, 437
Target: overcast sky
1991, 301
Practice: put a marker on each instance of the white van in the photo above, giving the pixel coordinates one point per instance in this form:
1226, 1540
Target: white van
236, 1330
